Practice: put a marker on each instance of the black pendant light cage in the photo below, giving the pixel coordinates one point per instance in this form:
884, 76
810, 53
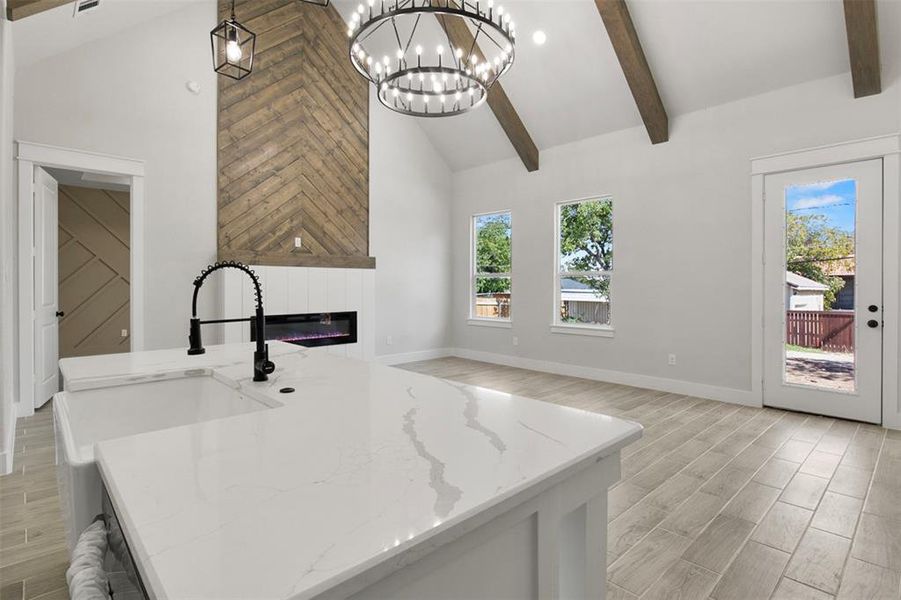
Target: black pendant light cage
233, 48
441, 83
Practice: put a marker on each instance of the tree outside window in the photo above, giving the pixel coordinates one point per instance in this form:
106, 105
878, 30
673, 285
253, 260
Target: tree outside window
584, 262
492, 268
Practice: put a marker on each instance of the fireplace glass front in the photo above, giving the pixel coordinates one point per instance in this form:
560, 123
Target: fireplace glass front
311, 329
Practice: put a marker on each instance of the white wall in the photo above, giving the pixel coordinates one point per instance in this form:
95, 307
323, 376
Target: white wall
410, 216
682, 214
292, 290
125, 95
7, 246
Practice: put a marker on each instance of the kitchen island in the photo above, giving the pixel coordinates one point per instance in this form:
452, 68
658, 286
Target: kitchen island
366, 481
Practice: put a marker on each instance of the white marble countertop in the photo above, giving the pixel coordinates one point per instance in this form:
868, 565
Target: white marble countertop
361, 465
89, 372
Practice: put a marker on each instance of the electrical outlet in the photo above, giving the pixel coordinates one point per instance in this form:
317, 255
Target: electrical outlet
671, 360
388, 340
298, 242
124, 333
515, 341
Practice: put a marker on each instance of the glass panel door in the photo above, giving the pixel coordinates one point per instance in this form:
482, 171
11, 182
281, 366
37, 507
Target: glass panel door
823, 290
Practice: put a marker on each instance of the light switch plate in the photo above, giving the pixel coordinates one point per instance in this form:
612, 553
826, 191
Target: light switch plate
124, 333
298, 242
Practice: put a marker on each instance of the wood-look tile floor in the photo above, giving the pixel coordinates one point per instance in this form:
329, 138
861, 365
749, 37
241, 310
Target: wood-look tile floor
733, 503
33, 555
717, 501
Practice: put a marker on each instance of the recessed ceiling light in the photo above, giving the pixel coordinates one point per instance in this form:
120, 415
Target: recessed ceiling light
539, 38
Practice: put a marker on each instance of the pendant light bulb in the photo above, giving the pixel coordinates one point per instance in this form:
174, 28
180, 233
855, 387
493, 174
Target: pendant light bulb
232, 48
233, 51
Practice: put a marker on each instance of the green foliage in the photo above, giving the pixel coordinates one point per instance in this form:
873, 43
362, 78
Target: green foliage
810, 243
586, 240
493, 252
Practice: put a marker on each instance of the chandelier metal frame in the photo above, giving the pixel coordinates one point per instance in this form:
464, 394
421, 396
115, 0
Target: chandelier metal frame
409, 84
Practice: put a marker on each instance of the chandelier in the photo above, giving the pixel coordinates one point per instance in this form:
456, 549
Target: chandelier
421, 68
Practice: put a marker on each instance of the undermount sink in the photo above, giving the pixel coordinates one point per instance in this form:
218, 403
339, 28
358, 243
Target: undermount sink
83, 418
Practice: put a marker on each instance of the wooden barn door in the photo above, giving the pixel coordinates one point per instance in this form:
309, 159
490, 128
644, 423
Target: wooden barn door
93, 271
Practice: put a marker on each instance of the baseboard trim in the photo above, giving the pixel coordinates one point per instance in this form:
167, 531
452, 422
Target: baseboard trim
6, 457
24, 410
674, 386
408, 357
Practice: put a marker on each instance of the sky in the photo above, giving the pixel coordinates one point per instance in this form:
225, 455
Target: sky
836, 200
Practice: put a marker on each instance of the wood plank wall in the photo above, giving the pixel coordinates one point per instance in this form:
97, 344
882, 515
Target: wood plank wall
94, 254
293, 143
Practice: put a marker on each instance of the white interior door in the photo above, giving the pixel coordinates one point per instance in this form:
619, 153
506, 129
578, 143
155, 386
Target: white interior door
46, 287
823, 291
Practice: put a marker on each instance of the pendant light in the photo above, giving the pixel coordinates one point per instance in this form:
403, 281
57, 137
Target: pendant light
233, 48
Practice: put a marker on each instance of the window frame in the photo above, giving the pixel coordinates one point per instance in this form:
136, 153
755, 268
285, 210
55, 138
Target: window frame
557, 325
474, 275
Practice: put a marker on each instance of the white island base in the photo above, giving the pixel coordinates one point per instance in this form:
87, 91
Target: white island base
551, 546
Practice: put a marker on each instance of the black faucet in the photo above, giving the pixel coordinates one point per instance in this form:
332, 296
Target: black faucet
262, 366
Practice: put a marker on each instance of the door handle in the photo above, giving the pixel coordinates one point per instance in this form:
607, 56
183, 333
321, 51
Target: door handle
60, 313
873, 323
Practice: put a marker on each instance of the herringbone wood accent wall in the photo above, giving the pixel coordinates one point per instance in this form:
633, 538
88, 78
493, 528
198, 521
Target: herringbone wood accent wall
94, 264
294, 143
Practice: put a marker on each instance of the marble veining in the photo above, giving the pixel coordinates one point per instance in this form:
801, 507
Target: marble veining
362, 466
447, 494
542, 434
471, 412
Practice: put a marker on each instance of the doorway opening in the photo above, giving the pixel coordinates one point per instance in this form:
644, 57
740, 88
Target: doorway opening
93, 263
81, 262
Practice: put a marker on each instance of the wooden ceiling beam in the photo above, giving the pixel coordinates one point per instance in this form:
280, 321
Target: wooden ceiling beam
19, 9
627, 46
863, 46
461, 37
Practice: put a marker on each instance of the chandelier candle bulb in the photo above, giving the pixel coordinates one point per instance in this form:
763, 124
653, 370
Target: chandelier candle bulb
471, 70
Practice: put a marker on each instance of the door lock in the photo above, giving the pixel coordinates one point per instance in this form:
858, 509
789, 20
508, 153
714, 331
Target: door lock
873, 323
872, 308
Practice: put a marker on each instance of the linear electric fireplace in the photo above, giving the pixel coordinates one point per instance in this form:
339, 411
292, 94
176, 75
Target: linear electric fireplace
311, 329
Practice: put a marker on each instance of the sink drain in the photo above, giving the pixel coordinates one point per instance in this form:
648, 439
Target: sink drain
286, 390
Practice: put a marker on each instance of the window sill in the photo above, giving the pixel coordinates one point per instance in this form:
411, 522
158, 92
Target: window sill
588, 330
498, 323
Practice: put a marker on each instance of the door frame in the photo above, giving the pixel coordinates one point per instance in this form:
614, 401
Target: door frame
887, 148
30, 155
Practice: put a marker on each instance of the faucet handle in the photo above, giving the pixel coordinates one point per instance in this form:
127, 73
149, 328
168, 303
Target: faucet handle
268, 367
194, 339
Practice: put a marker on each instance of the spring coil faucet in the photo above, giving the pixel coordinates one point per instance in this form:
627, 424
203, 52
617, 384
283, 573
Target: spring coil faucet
262, 366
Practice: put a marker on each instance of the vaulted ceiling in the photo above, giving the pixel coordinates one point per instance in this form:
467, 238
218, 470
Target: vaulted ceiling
700, 53
54, 30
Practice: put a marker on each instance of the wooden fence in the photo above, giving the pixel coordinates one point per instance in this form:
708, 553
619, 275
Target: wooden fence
586, 312
831, 330
493, 306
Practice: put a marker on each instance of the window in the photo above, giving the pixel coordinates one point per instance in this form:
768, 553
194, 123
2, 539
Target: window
584, 264
491, 266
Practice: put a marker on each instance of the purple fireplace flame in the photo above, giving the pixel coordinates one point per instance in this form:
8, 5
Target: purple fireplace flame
311, 329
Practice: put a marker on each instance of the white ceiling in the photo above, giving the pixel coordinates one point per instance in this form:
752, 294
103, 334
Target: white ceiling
702, 53
55, 31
